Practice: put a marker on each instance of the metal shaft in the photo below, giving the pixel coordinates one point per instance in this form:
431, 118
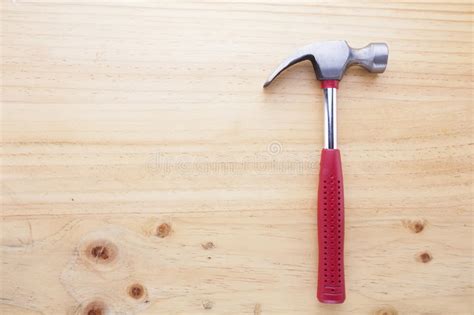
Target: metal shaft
330, 118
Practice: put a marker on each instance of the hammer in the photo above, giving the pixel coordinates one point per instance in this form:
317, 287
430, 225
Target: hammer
330, 60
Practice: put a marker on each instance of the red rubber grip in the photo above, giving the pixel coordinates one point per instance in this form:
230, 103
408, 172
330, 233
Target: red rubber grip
331, 287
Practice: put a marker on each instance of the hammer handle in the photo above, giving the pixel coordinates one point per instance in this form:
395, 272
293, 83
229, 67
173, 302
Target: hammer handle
331, 287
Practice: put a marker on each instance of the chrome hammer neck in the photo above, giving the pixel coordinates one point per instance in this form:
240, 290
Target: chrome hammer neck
330, 118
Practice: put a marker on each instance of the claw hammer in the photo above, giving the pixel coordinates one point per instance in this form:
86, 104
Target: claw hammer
330, 60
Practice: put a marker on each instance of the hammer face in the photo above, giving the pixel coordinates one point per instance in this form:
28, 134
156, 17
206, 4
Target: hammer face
372, 57
330, 59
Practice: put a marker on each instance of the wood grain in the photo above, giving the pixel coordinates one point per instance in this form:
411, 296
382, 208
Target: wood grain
145, 171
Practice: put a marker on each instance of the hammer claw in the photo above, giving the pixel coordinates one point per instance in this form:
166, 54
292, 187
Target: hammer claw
304, 53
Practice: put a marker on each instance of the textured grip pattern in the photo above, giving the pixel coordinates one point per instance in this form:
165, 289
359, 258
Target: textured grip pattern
331, 287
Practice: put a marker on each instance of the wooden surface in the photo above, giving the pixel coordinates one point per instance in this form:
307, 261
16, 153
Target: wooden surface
145, 171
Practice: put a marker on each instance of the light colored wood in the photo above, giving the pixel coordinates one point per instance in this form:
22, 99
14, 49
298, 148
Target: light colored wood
140, 129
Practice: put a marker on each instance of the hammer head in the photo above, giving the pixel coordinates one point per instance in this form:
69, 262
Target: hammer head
330, 59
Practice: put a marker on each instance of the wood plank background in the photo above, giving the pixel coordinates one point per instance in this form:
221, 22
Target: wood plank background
145, 171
